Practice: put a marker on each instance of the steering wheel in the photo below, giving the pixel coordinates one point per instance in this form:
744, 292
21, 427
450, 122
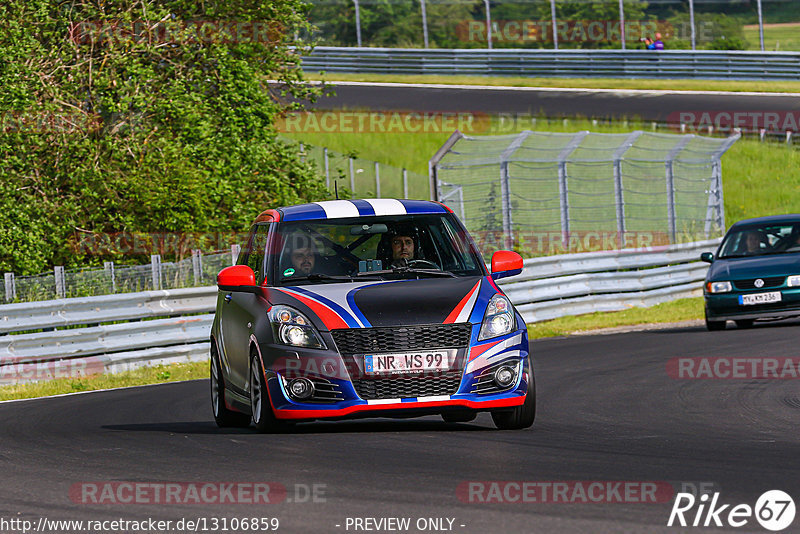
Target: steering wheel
414, 262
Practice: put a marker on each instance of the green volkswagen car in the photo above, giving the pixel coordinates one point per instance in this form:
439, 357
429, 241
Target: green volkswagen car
755, 273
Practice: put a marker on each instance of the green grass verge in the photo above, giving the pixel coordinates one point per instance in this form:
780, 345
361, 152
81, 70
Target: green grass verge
668, 312
777, 37
575, 83
138, 377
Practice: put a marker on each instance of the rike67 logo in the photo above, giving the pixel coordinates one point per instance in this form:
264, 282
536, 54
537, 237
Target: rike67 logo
774, 511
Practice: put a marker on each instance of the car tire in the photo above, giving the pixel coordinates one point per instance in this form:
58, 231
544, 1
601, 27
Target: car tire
459, 417
263, 417
521, 416
744, 323
224, 417
714, 326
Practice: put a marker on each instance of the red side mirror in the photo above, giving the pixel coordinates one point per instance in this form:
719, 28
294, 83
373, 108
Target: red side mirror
506, 263
236, 278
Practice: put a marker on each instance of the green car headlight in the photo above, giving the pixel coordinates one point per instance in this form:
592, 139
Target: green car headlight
718, 287
793, 280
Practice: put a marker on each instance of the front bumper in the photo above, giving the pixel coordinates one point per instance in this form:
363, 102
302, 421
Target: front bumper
330, 367
726, 307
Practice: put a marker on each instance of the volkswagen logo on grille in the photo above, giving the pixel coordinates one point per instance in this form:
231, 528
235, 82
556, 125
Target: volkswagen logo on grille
758, 283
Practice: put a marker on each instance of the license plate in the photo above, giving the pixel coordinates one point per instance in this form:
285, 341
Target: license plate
409, 362
760, 298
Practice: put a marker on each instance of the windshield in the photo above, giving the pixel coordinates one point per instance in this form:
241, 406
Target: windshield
383, 248
758, 240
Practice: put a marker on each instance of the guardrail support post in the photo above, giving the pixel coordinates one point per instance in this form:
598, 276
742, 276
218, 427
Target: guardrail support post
11, 287
405, 183
155, 269
61, 290
197, 266
109, 268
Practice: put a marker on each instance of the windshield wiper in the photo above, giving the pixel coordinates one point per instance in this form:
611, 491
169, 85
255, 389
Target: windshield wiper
403, 270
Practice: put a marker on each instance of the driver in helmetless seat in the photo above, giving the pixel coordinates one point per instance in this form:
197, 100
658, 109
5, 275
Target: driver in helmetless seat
402, 250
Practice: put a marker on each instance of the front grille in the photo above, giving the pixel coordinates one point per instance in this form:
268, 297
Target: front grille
405, 387
484, 383
401, 338
325, 390
771, 281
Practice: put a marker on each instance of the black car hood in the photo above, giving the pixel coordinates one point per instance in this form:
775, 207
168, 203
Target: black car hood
755, 267
386, 303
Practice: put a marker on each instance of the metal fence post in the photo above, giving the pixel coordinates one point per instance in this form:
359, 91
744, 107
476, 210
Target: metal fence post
352, 180
672, 218
108, 266
424, 23
377, 180
433, 164
197, 266
327, 169
235, 251
563, 189
760, 25
61, 290
505, 186
302, 152
488, 24
691, 23
405, 183
358, 24
11, 287
155, 269
622, 23
619, 198
553, 20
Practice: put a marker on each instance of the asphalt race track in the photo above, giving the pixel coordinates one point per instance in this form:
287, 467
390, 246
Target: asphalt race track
608, 411
659, 106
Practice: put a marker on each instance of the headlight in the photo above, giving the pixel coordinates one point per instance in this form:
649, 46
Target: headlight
793, 280
498, 319
293, 328
718, 287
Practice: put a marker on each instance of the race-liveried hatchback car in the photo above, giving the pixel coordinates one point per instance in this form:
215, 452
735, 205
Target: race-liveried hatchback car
367, 308
755, 273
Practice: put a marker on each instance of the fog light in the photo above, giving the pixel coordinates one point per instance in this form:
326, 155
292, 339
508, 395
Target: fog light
505, 376
301, 388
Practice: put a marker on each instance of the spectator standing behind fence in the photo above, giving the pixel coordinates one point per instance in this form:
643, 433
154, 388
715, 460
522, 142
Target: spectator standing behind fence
658, 44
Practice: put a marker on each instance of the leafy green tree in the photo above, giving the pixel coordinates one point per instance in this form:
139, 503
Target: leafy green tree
143, 116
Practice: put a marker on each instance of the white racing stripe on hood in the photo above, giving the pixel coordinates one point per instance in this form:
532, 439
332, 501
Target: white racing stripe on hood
338, 209
387, 206
487, 357
466, 311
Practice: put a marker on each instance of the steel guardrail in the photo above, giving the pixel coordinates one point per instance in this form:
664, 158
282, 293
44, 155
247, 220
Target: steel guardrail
701, 64
118, 332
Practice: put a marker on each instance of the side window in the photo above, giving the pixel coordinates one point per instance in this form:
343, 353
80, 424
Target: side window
256, 249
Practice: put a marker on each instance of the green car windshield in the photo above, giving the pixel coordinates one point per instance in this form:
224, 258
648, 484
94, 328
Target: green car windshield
759, 240
389, 247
